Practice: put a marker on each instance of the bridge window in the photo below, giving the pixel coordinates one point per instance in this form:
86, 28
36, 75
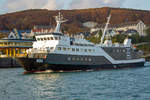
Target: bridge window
48, 38
45, 39
52, 38
38, 39
52, 48
42, 39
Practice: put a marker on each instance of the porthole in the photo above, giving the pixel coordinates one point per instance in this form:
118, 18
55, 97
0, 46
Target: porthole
90, 59
69, 59
73, 59
78, 59
85, 59
81, 59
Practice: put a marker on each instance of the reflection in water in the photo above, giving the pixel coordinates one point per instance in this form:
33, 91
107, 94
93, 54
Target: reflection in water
47, 85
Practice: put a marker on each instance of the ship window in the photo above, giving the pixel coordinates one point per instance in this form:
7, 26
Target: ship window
45, 39
41, 39
82, 50
51, 48
117, 50
73, 49
124, 50
85, 50
48, 38
68, 49
38, 39
89, 50
56, 38
59, 48
77, 49
52, 38
64, 49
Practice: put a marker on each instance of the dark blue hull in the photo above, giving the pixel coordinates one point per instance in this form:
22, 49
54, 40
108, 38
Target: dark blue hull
30, 64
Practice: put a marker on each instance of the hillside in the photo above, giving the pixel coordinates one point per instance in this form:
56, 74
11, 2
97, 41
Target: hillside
28, 18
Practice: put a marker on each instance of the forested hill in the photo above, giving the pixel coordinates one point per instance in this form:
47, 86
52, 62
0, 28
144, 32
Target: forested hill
28, 18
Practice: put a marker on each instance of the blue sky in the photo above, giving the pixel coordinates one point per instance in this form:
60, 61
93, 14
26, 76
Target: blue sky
7, 6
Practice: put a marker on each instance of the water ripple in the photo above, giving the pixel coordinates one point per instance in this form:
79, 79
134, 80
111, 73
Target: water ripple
125, 84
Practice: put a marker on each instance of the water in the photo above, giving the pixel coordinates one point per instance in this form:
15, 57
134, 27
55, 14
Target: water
125, 84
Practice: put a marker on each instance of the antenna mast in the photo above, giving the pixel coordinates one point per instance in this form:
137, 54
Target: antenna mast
106, 27
59, 19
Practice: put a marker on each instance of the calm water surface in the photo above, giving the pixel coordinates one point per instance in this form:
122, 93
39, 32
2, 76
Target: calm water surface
125, 84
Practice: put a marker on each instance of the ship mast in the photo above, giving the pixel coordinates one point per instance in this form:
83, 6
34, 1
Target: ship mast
59, 19
104, 32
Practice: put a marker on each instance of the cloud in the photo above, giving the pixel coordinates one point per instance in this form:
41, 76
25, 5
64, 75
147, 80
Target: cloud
17, 5
80, 4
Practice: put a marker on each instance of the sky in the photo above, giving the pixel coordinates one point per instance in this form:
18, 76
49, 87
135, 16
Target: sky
8, 6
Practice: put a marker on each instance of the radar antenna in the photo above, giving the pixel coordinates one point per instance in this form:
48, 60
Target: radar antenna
59, 19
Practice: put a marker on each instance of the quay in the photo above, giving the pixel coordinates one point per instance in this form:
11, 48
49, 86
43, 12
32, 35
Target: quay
13, 46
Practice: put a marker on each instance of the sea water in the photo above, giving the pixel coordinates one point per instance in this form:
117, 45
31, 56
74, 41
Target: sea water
117, 84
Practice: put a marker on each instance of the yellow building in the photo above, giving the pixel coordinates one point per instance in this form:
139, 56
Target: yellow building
14, 47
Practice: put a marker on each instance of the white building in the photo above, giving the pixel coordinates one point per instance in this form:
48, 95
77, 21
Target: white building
138, 26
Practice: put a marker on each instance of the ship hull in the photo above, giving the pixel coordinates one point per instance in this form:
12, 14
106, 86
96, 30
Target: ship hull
31, 65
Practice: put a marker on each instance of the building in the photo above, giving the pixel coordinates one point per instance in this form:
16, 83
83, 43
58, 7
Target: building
16, 44
136, 26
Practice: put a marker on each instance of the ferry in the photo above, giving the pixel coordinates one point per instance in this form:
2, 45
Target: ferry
59, 52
